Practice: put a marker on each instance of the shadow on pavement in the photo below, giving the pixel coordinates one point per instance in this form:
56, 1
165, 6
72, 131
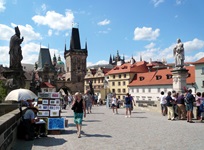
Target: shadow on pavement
91, 121
95, 135
46, 141
69, 132
138, 117
138, 112
49, 141
95, 113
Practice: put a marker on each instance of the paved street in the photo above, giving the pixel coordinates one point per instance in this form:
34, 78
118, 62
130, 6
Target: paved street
104, 131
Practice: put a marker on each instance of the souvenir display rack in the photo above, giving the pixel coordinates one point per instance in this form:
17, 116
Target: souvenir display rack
49, 105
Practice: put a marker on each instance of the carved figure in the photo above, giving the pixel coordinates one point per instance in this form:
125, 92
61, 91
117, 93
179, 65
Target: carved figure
179, 54
15, 50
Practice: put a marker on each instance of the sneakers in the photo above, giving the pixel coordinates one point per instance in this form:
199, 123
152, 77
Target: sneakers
127, 116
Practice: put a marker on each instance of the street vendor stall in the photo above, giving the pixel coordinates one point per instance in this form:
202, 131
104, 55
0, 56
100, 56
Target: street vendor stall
49, 105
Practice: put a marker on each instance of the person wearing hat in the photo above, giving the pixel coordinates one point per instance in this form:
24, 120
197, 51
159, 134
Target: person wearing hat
32, 127
29, 120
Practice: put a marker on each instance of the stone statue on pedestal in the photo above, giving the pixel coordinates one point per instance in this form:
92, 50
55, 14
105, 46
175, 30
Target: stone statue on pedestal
15, 74
179, 54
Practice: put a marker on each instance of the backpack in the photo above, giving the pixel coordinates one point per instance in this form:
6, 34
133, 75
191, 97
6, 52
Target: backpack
189, 99
127, 100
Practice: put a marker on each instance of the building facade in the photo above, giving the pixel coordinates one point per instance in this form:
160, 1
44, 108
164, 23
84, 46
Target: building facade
199, 75
148, 86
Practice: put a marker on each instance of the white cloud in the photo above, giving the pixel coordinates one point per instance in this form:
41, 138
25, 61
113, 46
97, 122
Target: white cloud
8, 32
149, 46
193, 52
194, 45
49, 32
178, 2
66, 34
4, 57
30, 52
100, 62
104, 22
44, 7
27, 32
55, 20
157, 2
145, 33
105, 31
2, 5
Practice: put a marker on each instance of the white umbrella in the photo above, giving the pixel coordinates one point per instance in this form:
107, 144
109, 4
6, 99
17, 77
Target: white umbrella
20, 94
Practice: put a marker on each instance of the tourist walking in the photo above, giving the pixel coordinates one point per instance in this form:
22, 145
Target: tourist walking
114, 104
78, 106
169, 104
88, 101
163, 104
128, 105
189, 99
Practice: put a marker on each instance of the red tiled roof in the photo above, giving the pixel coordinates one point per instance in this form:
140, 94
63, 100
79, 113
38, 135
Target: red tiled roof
200, 61
129, 68
151, 78
46, 85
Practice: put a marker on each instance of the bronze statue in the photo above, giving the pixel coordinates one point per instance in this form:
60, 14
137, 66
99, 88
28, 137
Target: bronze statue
179, 54
15, 50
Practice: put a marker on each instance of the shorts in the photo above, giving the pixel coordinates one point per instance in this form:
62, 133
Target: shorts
189, 107
127, 105
113, 105
163, 107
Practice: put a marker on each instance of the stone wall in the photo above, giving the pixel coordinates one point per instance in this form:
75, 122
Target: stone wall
6, 108
8, 128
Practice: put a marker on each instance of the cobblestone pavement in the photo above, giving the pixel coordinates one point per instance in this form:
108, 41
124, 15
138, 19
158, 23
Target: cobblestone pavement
104, 131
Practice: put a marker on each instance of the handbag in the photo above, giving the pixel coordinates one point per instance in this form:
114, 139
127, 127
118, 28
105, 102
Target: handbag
73, 107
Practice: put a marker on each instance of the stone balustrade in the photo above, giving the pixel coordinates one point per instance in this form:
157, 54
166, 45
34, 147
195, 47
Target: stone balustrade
9, 121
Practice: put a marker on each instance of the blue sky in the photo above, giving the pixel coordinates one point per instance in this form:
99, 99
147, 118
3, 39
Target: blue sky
149, 28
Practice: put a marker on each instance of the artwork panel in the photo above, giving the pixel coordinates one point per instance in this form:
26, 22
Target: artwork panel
44, 101
56, 123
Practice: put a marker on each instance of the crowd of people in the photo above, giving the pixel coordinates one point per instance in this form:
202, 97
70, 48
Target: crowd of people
180, 105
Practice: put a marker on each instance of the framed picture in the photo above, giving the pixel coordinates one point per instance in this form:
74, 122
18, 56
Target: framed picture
54, 113
45, 107
56, 123
57, 108
40, 106
45, 101
57, 101
52, 102
43, 113
51, 107
55, 95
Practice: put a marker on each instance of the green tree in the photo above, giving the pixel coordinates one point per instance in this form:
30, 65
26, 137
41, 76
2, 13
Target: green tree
3, 91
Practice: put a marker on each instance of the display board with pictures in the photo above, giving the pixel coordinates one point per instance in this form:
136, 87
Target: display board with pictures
49, 104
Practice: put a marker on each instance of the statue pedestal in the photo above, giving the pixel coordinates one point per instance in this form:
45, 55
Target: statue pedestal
179, 79
15, 78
